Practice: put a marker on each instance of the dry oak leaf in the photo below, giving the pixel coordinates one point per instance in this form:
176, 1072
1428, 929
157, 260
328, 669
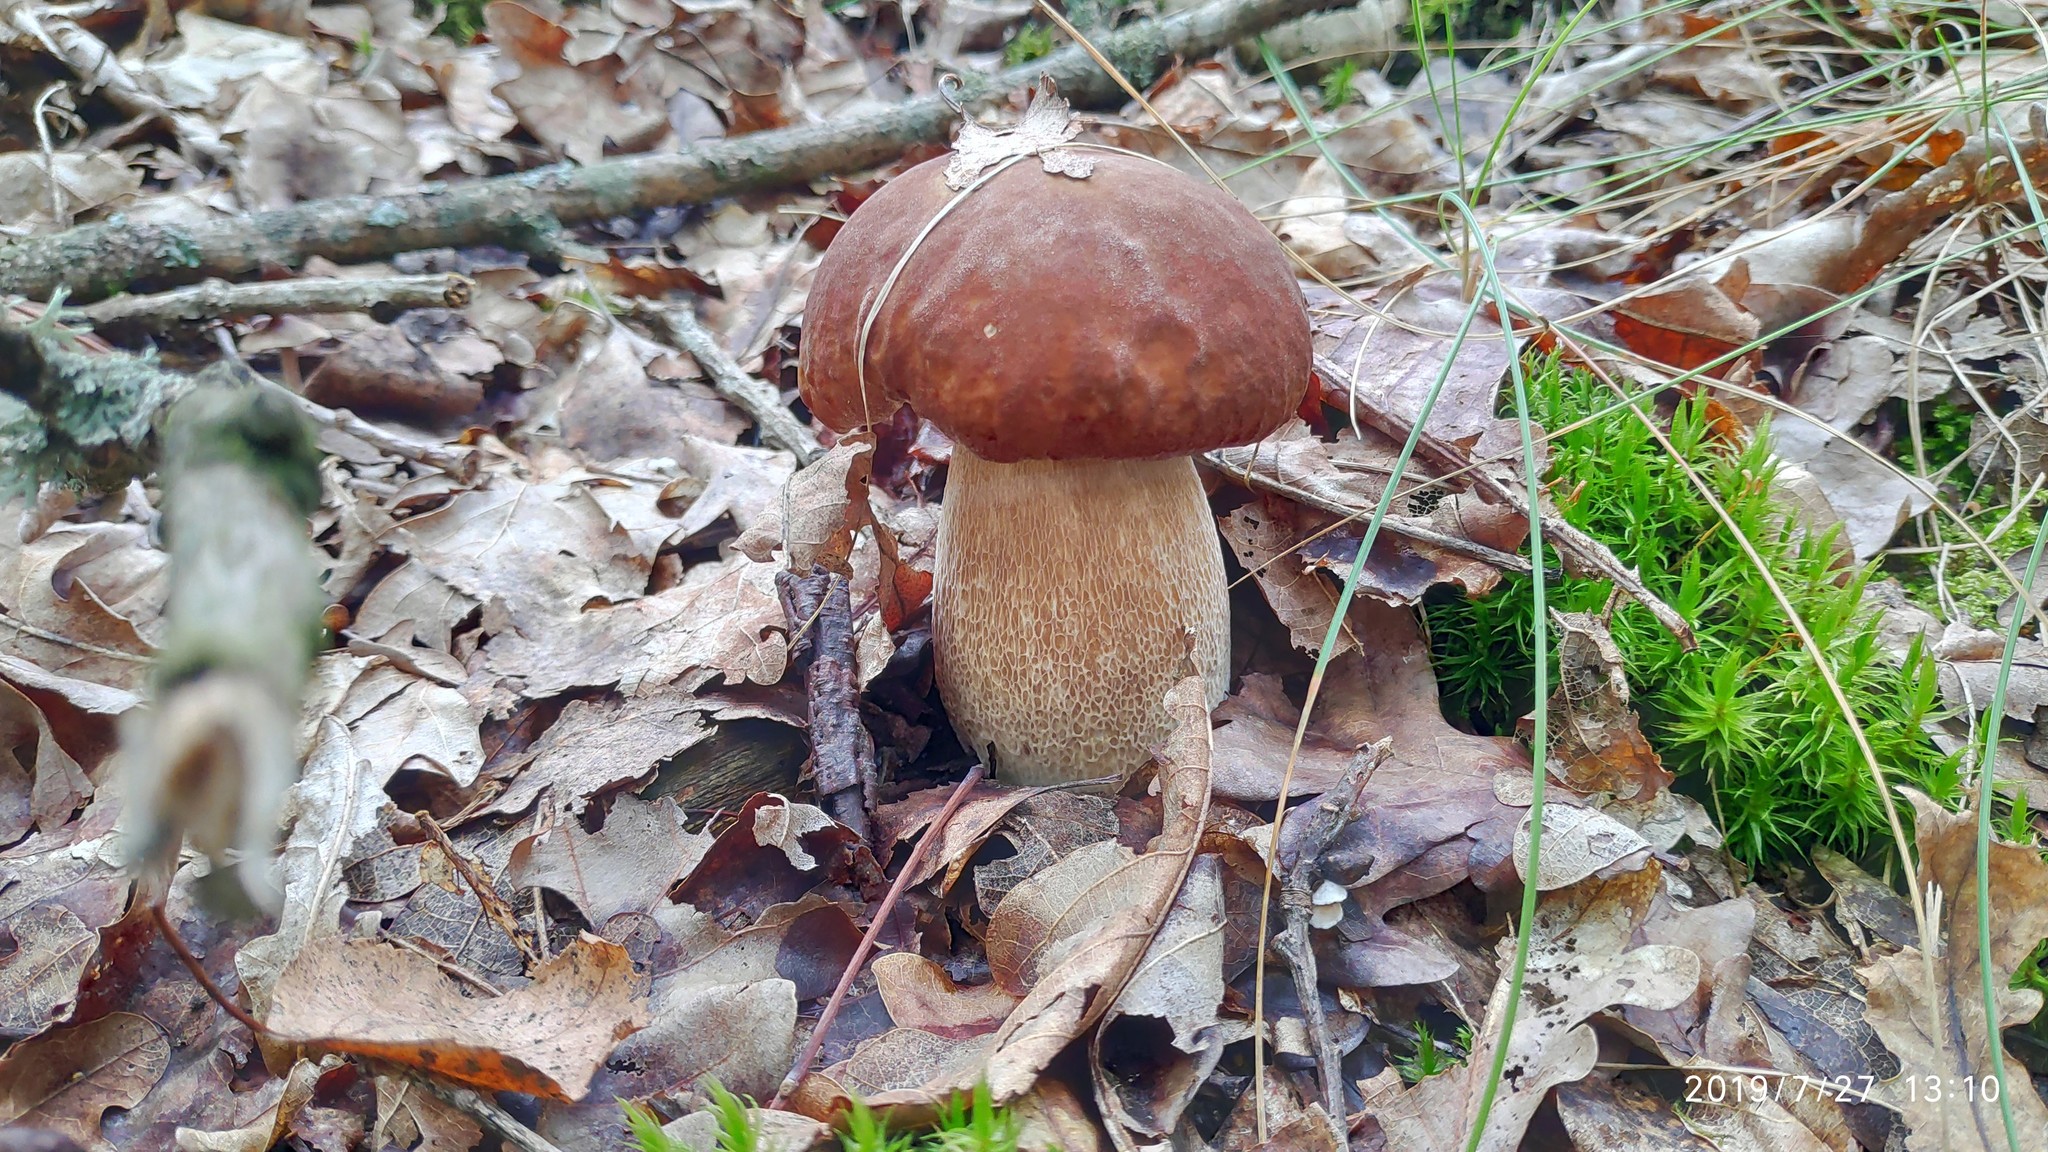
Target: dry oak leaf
1599, 745
574, 109
537, 552
921, 995
69, 583
39, 978
1960, 1117
625, 866
597, 745
40, 783
1580, 963
545, 1039
722, 620
64, 1080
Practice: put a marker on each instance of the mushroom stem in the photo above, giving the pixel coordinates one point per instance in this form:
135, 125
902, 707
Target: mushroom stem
1063, 599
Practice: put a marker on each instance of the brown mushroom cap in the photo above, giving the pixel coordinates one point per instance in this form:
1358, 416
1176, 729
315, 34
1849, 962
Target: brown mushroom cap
1134, 314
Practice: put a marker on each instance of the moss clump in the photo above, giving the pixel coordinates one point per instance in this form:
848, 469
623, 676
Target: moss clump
1746, 720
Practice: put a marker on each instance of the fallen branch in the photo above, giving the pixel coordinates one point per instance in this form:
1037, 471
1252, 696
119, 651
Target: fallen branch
757, 398
458, 463
529, 210
500, 1122
220, 300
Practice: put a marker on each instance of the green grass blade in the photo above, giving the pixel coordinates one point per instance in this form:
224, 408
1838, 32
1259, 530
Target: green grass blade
1539, 741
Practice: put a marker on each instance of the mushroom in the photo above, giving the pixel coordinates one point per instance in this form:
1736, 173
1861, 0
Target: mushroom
1079, 338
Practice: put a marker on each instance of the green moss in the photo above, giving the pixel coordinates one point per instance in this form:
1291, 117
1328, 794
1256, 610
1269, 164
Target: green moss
1746, 720
1030, 42
76, 419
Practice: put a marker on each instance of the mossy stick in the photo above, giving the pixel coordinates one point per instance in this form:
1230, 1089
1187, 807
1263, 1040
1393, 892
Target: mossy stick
212, 758
530, 210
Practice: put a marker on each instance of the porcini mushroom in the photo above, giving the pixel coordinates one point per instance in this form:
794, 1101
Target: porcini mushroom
1079, 338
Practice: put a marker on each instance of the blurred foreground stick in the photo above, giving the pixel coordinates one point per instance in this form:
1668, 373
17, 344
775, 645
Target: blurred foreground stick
212, 759
236, 459
529, 210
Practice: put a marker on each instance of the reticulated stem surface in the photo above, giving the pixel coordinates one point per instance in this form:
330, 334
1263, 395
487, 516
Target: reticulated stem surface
1064, 595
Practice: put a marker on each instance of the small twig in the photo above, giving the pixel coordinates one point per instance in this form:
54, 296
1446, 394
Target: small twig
1578, 548
177, 943
458, 463
1333, 810
842, 752
506, 1126
447, 965
494, 905
867, 940
1245, 466
757, 398
220, 300
50, 637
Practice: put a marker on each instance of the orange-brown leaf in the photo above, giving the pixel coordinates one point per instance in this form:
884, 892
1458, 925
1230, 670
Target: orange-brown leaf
546, 1039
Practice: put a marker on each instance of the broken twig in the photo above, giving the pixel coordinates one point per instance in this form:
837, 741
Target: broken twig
506, 1126
220, 300
1330, 813
752, 395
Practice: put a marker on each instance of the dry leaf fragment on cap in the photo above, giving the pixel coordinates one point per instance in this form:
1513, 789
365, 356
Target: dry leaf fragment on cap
546, 1039
1048, 123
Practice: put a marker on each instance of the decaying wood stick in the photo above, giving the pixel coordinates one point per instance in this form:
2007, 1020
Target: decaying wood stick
757, 398
1330, 813
530, 209
460, 463
220, 300
820, 610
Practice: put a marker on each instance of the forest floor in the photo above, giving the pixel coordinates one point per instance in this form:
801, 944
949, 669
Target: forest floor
595, 736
